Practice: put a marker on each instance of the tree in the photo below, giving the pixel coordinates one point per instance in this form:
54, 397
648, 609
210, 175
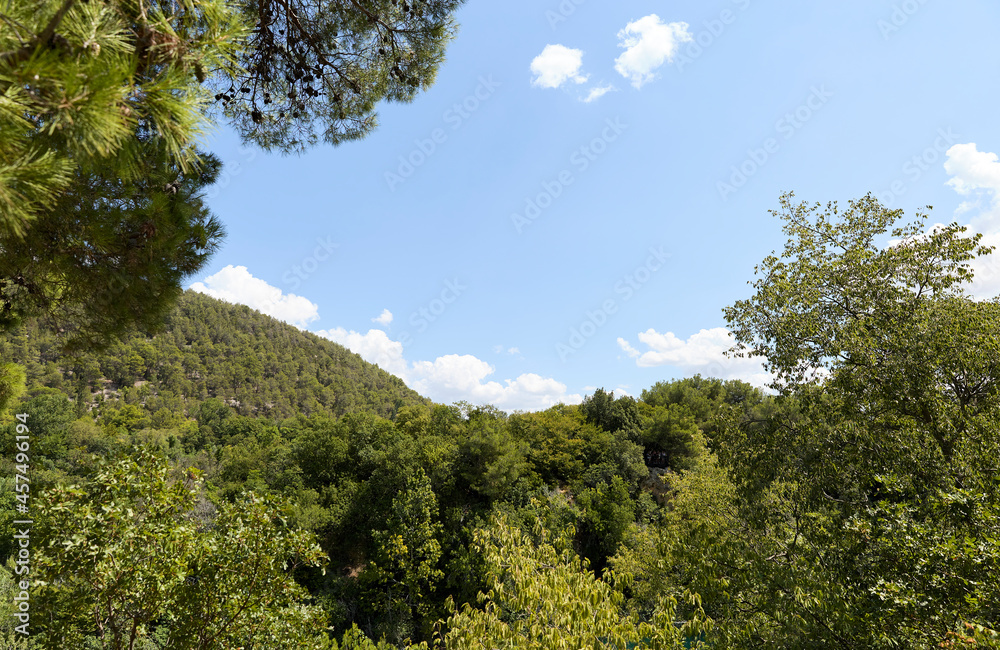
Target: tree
101, 104
671, 429
608, 512
541, 596
11, 386
122, 556
113, 250
317, 70
79, 81
407, 555
612, 414
10, 636
872, 477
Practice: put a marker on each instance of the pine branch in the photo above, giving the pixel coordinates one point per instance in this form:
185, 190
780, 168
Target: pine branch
24, 52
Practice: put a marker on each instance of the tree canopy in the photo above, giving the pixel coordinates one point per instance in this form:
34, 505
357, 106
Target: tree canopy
313, 72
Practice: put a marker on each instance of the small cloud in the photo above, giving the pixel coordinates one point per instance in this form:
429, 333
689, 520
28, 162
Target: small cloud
513, 351
703, 352
374, 347
236, 285
384, 318
648, 44
556, 65
971, 169
597, 92
627, 347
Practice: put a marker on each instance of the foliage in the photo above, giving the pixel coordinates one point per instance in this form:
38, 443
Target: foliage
79, 80
317, 70
113, 250
612, 415
871, 480
11, 385
542, 596
407, 554
193, 358
102, 103
122, 556
11, 588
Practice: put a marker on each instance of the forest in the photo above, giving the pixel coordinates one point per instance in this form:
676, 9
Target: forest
230, 481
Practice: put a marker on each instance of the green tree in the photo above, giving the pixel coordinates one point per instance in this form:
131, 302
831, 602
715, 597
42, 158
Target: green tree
80, 80
612, 414
11, 386
407, 557
671, 430
873, 473
491, 461
10, 588
112, 251
541, 596
239, 590
608, 512
122, 555
103, 101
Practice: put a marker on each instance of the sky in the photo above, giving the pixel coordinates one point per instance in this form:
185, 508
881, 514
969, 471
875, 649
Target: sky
587, 185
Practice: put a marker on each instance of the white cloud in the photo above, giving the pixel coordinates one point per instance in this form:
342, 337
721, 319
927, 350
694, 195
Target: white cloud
627, 347
976, 174
972, 169
597, 92
452, 378
556, 65
236, 285
384, 318
648, 43
374, 347
702, 352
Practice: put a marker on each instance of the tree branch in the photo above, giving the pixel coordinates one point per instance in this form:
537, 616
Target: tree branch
25, 51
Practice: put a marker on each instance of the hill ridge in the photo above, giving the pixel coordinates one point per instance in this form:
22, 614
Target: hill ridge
210, 348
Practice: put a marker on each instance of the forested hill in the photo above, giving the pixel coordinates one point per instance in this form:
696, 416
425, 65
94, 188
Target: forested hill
209, 348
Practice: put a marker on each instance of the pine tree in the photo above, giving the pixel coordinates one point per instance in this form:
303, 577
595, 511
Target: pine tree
113, 250
314, 71
79, 80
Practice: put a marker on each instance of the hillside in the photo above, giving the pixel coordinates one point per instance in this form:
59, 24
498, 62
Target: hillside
209, 348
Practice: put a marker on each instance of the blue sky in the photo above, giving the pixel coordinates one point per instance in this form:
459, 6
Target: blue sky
587, 185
